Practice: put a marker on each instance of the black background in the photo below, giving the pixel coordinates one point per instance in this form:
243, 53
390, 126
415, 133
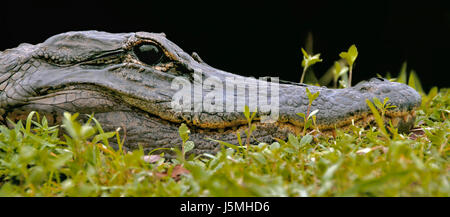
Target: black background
279, 206
262, 38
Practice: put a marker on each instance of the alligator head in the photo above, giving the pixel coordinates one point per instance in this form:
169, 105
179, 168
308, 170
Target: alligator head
127, 81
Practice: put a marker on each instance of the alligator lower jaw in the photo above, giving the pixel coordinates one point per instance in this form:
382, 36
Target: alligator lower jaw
403, 120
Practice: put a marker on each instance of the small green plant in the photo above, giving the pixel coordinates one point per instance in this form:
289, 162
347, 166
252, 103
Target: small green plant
251, 127
350, 56
413, 80
379, 119
308, 60
309, 118
186, 145
338, 71
383, 107
248, 132
402, 75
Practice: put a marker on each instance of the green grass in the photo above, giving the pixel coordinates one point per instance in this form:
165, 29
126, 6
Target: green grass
34, 161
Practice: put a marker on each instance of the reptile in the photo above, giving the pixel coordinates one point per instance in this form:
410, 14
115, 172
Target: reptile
124, 79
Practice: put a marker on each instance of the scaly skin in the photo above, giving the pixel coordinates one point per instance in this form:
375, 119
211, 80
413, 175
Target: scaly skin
98, 72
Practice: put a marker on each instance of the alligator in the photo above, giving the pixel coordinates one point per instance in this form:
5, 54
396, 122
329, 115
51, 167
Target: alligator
125, 80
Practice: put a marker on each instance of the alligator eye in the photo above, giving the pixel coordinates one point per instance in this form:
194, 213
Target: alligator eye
148, 53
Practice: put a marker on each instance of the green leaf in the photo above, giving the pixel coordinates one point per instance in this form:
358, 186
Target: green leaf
229, 145
411, 81
350, 56
275, 146
353, 52
314, 96
337, 68
308, 123
311, 97
377, 117
344, 82
310, 60
305, 54
247, 112
402, 75
184, 132
101, 131
433, 92
313, 113
386, 99
314, 118
72, 127
306, 140
37, 175
388, 76
189, 145
314, 59
103, 137
417, 84
87, 131
238, 135
60, 161
328, 175
302, 115
29, 119
253, 114
259, 158
293, 140
377, 103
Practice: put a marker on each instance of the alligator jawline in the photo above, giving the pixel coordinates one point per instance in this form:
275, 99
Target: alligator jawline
362, 119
